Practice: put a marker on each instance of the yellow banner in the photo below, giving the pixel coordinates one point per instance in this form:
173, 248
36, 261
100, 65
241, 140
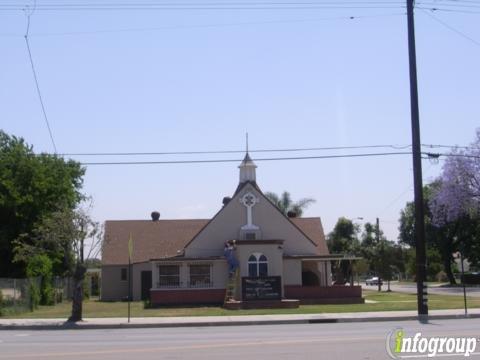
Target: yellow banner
130, 247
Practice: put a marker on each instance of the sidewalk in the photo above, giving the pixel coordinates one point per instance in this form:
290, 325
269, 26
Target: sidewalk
159, 322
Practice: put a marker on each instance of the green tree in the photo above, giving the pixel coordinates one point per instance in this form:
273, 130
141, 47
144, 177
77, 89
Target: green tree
383, 256
75, 231
343, 239
32, 186
286, 205
84, 230
444, 239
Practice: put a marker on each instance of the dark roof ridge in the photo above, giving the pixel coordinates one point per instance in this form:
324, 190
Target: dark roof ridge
153, 221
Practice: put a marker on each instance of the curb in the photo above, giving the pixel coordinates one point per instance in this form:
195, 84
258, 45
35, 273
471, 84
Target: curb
87, 326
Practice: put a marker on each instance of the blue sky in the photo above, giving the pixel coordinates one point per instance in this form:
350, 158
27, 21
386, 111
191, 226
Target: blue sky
190, 80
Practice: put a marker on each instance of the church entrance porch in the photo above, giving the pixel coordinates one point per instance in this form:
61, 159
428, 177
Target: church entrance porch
316, 282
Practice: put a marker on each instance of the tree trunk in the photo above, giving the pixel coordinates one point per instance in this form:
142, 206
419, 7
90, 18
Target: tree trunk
77, 300
448, 270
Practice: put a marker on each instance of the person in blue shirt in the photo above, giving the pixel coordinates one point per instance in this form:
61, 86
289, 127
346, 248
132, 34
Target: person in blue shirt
229, 253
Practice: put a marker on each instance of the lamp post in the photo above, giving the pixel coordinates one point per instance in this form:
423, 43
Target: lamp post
351, 265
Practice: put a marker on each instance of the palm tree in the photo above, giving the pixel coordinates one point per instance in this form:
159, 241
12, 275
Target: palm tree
285, 203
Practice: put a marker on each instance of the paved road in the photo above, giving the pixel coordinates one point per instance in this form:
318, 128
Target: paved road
312, 341
412, 289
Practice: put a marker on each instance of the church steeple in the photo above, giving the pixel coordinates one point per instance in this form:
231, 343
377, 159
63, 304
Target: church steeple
247, 167
247, 170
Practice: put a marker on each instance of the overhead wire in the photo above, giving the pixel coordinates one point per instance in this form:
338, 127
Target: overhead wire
317, 157
447, 10
451, 28
39, 93
396, 147
218, 25
238, 160
265, 5
305, 149
449, 146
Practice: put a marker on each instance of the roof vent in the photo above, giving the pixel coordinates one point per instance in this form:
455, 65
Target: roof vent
226, 200
292, 214
155, 215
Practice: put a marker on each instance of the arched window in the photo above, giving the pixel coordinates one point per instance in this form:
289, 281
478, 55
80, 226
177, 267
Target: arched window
257, 265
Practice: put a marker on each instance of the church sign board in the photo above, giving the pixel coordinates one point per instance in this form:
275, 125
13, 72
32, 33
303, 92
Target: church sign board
261, 288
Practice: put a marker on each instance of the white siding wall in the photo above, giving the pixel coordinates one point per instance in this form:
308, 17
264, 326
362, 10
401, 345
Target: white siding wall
226, 226
292, 272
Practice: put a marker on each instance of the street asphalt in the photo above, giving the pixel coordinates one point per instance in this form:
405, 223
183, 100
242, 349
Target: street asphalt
294, 341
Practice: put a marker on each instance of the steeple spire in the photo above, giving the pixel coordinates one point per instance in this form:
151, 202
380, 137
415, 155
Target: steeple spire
247, 167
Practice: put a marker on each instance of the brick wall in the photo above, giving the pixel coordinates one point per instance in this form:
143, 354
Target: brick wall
187, 296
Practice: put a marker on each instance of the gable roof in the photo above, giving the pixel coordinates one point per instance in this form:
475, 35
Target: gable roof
164, 238
313, 229
151, 239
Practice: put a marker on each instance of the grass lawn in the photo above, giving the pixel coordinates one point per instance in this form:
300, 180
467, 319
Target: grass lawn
375, 302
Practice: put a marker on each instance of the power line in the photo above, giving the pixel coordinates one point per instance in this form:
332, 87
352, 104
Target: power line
209, 3
451, 28
449, 146
448, 10
29, 14
397, 147
219, 25
238, 160
455, 4
461, 1
213, 6
211, 152
167, 162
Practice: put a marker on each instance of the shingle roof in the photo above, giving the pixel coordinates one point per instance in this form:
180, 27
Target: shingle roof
151, 239
312, 227
164, 238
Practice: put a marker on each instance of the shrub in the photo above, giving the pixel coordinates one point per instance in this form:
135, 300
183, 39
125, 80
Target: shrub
34, 292
441, 276
147, 304
41, 266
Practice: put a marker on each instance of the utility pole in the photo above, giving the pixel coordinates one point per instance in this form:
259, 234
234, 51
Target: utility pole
422, 300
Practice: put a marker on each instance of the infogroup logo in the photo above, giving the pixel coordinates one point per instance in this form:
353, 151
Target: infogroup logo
400, 346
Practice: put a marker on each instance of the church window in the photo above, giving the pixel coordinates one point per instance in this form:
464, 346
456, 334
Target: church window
257, 265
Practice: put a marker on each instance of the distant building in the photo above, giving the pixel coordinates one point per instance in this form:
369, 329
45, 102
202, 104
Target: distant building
282, 261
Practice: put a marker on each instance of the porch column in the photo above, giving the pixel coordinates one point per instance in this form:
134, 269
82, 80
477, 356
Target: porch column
154, 275
325, 263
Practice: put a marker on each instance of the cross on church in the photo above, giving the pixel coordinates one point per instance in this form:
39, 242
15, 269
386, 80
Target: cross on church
249, 200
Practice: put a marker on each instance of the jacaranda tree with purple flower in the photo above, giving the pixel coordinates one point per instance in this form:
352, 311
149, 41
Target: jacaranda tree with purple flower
455, 204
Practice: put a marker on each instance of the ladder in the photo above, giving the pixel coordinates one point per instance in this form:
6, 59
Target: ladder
231, 287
